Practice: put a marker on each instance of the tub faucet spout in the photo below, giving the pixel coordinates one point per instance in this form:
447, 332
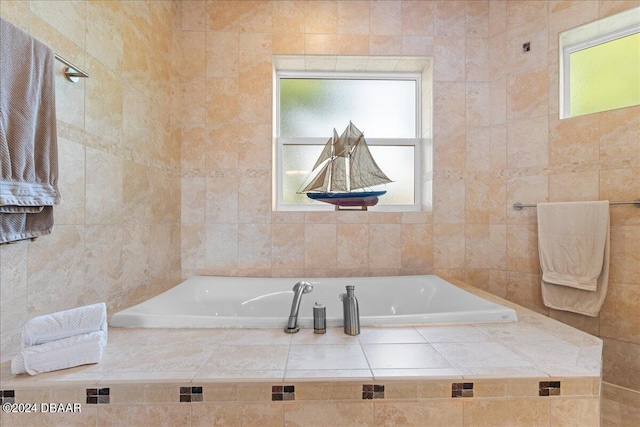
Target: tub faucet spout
299, 288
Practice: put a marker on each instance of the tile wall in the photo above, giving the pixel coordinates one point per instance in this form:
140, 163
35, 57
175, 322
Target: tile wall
401, 403
117, 231
497, 140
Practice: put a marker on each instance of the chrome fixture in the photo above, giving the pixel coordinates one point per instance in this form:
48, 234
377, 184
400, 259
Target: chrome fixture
72, 72
351, 312
518, 206
299, 288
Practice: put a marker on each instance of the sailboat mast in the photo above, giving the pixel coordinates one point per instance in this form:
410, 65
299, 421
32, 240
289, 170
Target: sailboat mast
330, 170
347, 168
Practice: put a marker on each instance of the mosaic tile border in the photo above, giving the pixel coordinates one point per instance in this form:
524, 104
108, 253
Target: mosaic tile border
190, 394
7, 396
549, 388
98, 396
390, 390
461, 390
283, 392
372, 391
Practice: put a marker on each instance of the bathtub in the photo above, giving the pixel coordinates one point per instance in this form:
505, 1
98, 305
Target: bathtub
241, 302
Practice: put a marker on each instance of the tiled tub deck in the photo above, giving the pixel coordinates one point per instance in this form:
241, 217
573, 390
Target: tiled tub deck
536, 372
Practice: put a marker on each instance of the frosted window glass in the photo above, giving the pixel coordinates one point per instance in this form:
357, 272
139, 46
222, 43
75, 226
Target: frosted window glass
379, 108
397, 162
606, 76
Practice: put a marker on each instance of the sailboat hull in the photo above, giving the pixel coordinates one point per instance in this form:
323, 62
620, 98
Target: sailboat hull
356, 198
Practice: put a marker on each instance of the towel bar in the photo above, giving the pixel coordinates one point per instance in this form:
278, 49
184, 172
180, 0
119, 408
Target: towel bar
72, 72
518, 206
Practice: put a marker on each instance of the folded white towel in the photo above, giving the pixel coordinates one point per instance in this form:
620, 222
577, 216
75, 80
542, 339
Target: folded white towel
59, 354
67, 323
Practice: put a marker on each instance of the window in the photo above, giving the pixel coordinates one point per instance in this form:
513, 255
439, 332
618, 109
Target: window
601, 64
386, 107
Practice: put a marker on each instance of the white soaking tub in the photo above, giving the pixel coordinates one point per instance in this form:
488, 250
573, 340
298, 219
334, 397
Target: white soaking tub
242, 302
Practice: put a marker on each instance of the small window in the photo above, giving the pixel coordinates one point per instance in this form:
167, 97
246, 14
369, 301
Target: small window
601, 65
386, 107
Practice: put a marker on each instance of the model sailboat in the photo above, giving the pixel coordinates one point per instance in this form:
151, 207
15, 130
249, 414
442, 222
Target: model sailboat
344, 170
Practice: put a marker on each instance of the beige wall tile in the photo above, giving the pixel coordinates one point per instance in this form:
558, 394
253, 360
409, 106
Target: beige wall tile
477, 18
575, 186
477, 57
477, 193
254, 198
620, 133
116, 142
590, 325
621, 185
385, 18
533, 189
13, 293
254, 246
617, 315
417, 246
417, 46
575, 412
449, 201
497, 53
433, 413
222, 16
57, 259
320, 245
16, 12
522, 248
221, 246
477, 100
449, 246
321, 17
417, 18
103, 104
449, 18
104, 38
328, 414
528, 95
498, 147
535, 32
385, 45
292, 44
288, 17
449, 149
353, 250
509, 412
477, 247
528, 143
384, 245
625, 254
148, 414
68, 17
524, 289
71, 183
520, 12
449, 58
255, 16
574, 139
103, 268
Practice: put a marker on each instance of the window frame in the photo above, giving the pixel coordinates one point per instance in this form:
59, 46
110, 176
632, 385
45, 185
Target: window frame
414, 142
592, 34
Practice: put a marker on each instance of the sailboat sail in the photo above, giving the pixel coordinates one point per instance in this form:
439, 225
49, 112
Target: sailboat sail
345, 165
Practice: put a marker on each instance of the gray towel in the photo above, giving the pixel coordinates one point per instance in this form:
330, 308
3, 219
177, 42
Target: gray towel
28, 144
